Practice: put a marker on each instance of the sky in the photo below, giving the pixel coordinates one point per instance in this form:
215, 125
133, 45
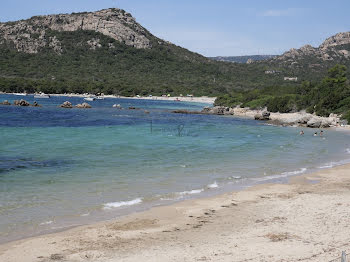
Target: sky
214, 28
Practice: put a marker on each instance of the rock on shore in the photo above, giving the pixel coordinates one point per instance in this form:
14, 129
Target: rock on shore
284, 119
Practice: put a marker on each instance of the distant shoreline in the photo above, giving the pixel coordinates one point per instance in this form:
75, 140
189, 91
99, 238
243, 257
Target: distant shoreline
200, 99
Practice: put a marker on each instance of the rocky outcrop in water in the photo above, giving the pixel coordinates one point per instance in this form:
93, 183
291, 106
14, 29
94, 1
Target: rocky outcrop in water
5, 103
66, 104
30, 36
83, 105
21, 102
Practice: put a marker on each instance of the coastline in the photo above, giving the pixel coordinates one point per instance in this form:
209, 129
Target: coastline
200, 99
296, 119
305, 219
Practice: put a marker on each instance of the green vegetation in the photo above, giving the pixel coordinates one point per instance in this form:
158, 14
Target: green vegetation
331, 95
115, 68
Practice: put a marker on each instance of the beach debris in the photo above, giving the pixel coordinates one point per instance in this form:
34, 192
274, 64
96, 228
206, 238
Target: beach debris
5, 103
117, 106
83, 105
21, 102
67, 104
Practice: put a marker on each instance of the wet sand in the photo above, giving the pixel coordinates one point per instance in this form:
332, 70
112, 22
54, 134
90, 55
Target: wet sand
307, 219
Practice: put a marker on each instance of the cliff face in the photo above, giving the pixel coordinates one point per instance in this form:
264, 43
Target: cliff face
29, 35
333, 49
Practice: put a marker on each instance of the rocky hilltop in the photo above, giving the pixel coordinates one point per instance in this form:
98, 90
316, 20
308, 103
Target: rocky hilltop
29, 36
334, 49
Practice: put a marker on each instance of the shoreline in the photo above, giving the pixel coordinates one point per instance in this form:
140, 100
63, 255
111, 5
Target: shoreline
296, 119
199, 99
194, 216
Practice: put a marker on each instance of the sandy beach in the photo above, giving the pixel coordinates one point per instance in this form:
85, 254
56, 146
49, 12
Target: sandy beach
200, 99
307, 219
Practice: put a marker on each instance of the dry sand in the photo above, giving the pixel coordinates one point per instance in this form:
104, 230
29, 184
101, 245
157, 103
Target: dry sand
305, 220
200, 99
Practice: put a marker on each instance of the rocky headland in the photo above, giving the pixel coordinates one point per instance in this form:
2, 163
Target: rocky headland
30, 36
284, 119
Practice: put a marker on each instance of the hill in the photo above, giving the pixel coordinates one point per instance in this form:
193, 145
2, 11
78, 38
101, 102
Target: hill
108, 51
311, 63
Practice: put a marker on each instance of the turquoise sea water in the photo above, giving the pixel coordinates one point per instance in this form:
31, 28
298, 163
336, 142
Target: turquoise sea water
65, 167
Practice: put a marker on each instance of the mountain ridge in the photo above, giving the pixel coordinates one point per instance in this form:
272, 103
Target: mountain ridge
109, 51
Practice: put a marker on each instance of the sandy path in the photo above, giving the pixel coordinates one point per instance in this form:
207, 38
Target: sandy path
299, 221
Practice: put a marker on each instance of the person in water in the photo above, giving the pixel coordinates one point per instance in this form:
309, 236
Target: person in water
301, 132
315, 134
321, 133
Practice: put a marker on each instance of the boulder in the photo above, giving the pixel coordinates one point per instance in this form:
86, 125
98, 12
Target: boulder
83, 105
325, 123
5, 103
262, 116
207, 110
218, 110
21, 103
67, 104
304, 119
314, 123
266, 114
35, 104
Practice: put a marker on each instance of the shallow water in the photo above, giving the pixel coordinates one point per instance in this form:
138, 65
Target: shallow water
63, 167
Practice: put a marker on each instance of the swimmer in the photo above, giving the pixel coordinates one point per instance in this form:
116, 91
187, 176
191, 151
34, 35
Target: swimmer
315, 134
301, 132
321, 133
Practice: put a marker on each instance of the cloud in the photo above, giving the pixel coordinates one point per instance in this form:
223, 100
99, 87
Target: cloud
281, 12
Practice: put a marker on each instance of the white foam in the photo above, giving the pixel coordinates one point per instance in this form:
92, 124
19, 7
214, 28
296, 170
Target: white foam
302, 170
46, 223
85, 215
332, 164
284, 174
191, 192
214, 185
180, 195
123, 203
